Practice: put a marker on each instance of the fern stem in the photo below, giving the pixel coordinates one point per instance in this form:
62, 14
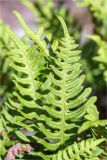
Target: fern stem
31, 75
63, 106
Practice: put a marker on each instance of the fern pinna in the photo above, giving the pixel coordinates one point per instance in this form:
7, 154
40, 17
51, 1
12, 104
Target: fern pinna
49, 100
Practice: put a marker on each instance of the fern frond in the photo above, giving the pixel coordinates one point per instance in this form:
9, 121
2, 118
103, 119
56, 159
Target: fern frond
86, 149
67, 101
26, 84
92, 120
27, 61
83, 149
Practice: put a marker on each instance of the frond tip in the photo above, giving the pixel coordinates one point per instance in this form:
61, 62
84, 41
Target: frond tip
66, 33
32, 35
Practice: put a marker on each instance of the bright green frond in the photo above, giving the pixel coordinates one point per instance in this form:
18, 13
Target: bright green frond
67, 101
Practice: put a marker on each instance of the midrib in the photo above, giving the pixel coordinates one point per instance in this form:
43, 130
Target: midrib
30, 73
63, 107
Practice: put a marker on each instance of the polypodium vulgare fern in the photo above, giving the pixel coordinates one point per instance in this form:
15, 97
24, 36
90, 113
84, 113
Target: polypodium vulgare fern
27, 62
67, 100
49, 101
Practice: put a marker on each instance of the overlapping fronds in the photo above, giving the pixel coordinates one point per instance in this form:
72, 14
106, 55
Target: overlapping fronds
46, 16
49, 102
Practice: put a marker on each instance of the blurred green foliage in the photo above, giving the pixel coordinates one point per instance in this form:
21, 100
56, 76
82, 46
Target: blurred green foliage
46, 17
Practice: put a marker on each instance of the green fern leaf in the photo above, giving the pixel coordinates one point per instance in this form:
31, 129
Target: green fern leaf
67, 101
27, 61
86, 149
